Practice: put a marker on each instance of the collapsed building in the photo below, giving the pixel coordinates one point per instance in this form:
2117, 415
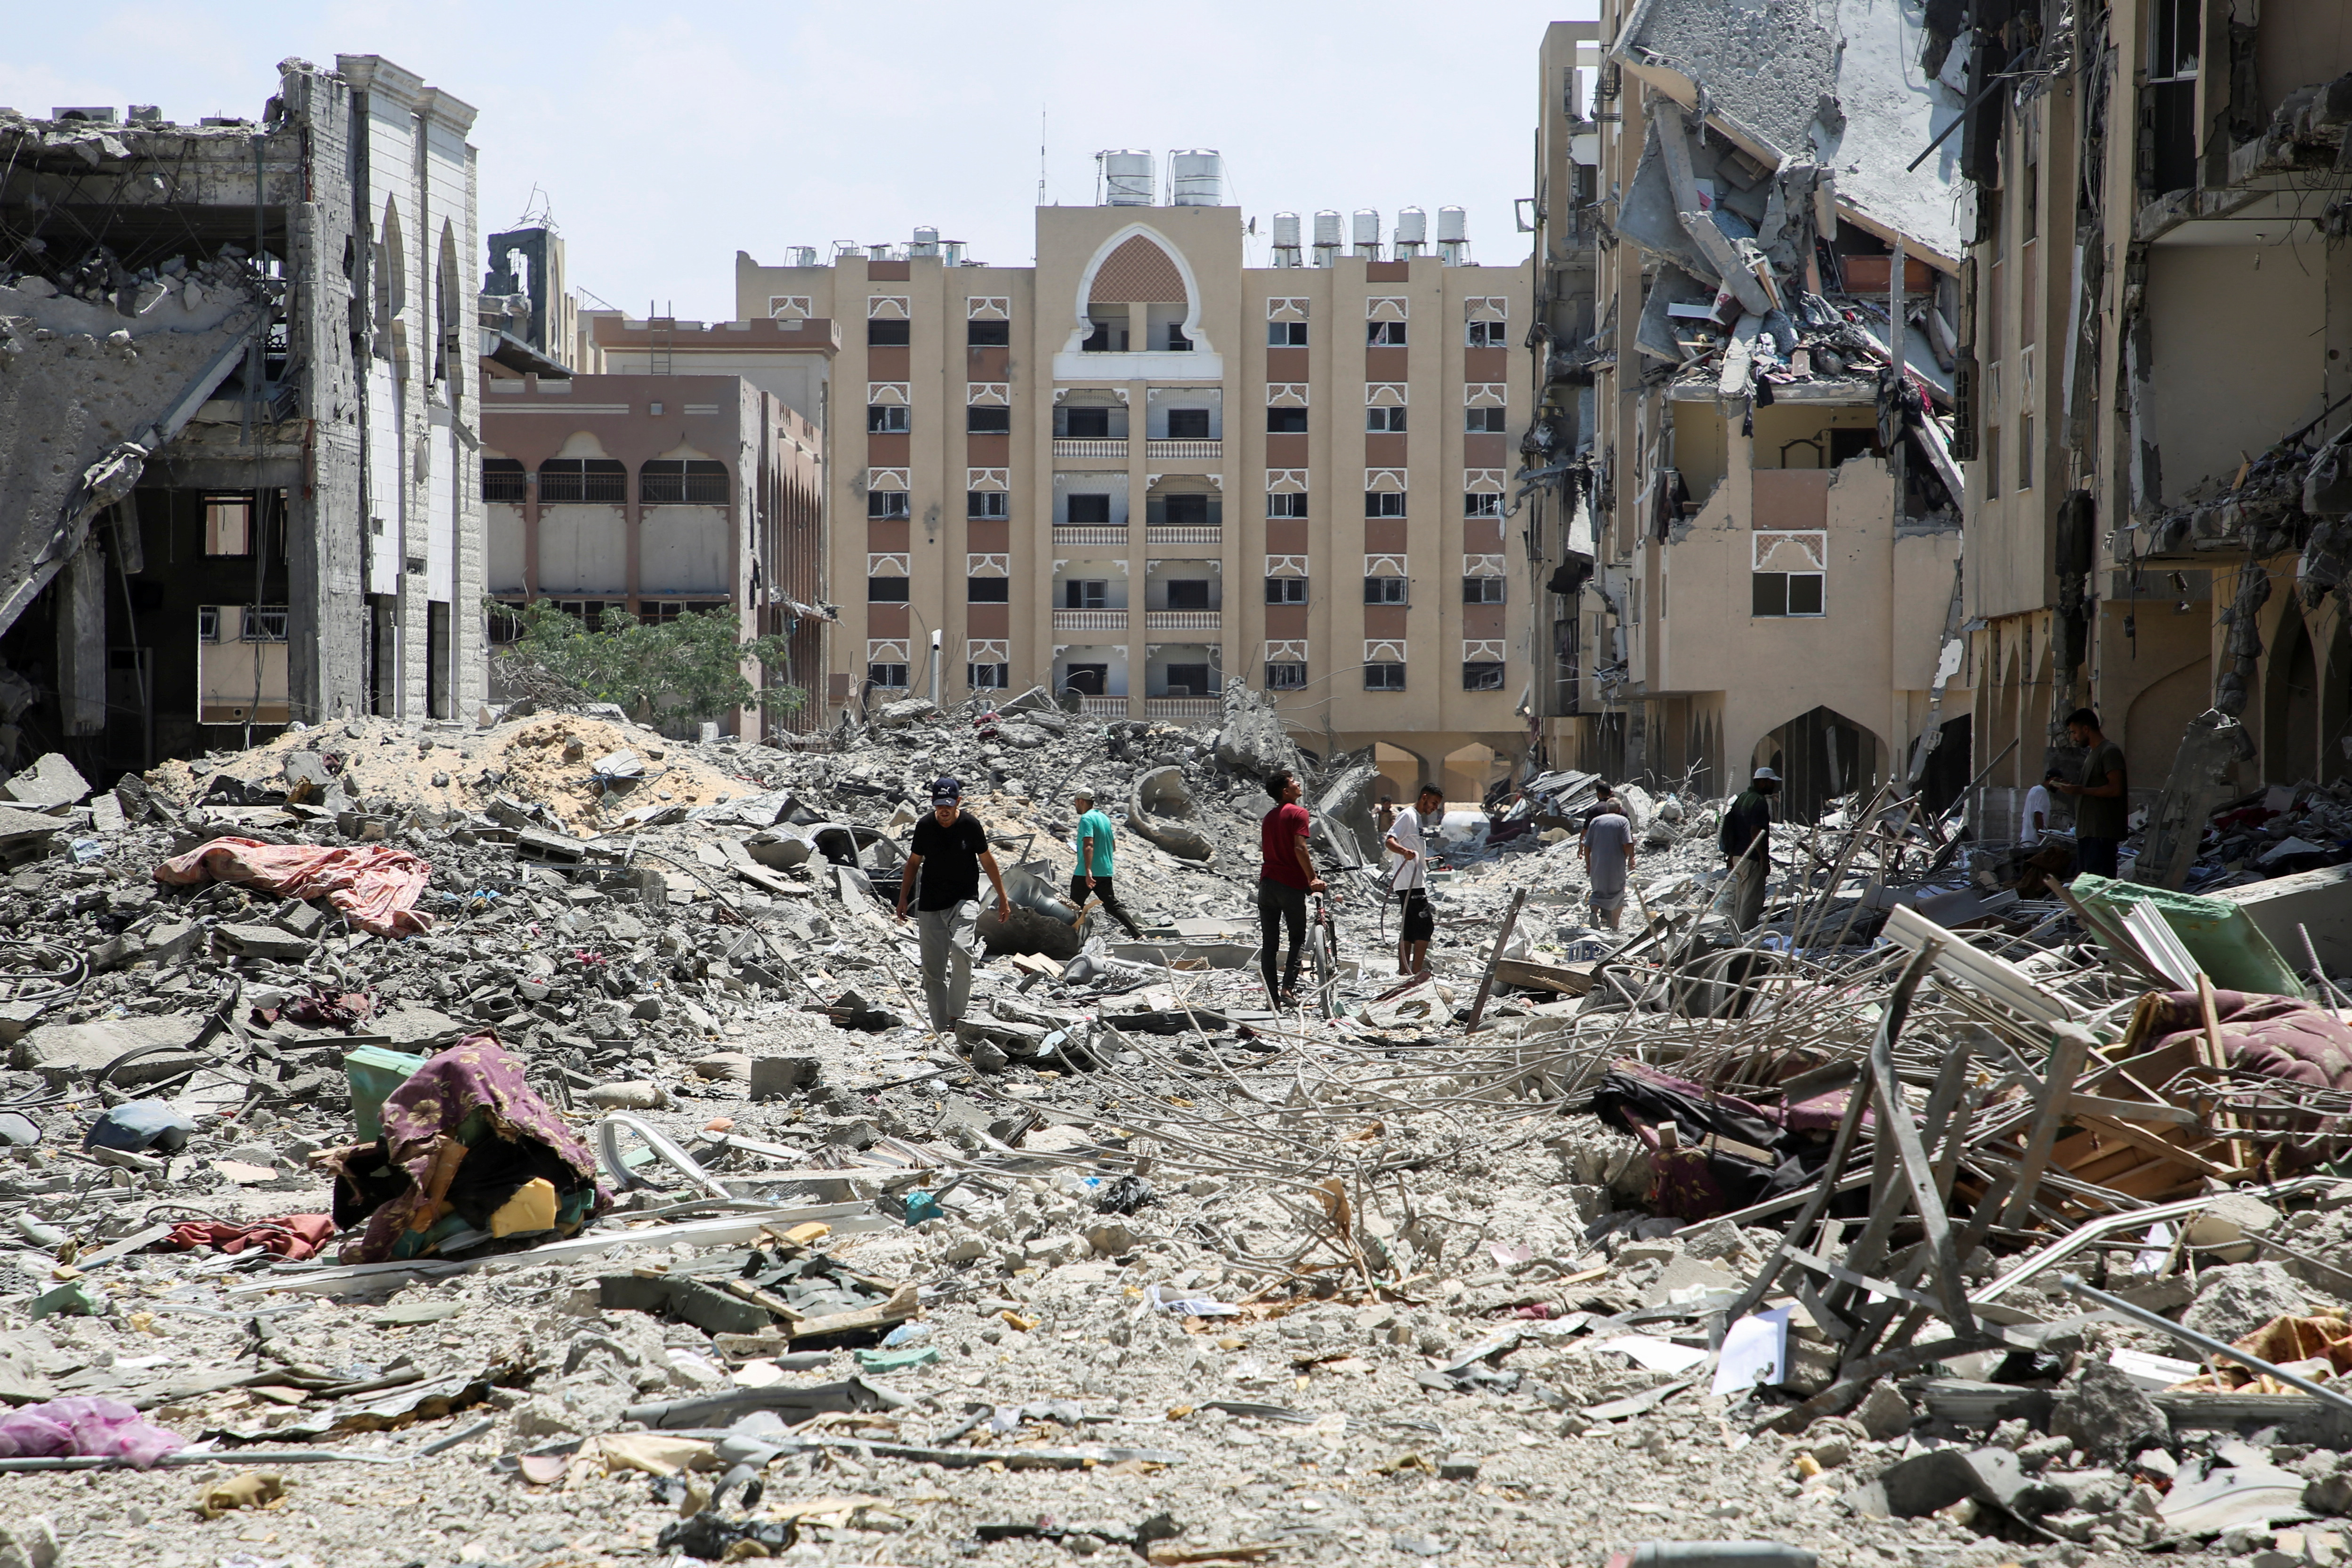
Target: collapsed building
1744, 481
239, 452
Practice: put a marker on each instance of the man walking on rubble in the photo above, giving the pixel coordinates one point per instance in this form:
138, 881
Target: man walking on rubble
1746, 844
2102, 805
1286, 876
1092, 877
1607, 849
1407, 838
950, 849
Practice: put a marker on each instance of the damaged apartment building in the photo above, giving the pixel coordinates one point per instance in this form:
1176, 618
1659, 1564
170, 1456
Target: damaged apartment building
239, 471
2162, 334
1742, 487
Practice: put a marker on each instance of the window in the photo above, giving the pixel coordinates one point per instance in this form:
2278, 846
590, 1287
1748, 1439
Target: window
1787, 593
587, 479
1286, 590
886, 335
502, 479
228, 525
2025, 452
886, 590
1090, 509
1178, 343
1188, 511
889, 419
1085, 594
1482, 590
1993, 461
1286, 503
1188, 593
208, 622
988, 590
1484, 421
984, 419
1383, 503
264, 623
1389, 419
1488, 335
1384, 334
1286, 334
881, 504
890, 676
1482, 674
673, 481
506, 624
1387, 591
987, 503
1083, 424
1285, 422
988, 677
1087, 679
1190, 680
1188, 425
988, 335
1285, 677
1105, 339
1482, 503
654, 612
1384, 677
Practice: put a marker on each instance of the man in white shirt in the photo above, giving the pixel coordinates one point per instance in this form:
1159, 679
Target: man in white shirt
1408, 839
2037, 812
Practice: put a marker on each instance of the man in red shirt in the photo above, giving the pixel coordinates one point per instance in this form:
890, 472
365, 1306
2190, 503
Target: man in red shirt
1286, 876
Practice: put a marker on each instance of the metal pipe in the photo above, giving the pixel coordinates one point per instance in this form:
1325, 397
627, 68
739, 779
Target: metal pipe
2205, 1343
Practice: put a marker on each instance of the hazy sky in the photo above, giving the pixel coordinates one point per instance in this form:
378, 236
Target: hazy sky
665, 138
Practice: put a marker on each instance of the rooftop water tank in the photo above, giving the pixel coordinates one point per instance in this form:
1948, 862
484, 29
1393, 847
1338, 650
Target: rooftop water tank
804, 255
1452, 224
1411, 230
1285, 231
1196, 178
927, 242
1126, 177
1327, 237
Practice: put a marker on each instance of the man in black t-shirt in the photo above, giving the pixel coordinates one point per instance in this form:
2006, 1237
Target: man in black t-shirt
949, 851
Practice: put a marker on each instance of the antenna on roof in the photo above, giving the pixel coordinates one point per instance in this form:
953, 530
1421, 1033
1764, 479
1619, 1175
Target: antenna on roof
1041, 154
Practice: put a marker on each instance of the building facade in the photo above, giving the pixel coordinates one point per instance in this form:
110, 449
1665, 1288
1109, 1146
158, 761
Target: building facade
1141, 468
2160, 312
247, 392
662, 495
1742, 482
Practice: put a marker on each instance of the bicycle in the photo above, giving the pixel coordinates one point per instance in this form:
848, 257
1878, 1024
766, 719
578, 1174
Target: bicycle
1323, 952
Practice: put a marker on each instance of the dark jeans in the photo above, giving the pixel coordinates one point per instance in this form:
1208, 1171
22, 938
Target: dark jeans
1279, 903
2096, 855
1103, 889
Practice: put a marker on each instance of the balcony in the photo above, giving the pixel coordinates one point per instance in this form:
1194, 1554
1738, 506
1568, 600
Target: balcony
1103, 707
1180, 620
1211, 451
1091, 533
1090, 620
1167, 535
1182, 707
1095, 447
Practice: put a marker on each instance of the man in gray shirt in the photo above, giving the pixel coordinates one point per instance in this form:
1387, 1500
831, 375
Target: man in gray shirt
1607, 849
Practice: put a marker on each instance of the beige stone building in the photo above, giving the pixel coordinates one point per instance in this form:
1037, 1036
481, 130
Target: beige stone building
2161, 328
1751, 520
1143, 466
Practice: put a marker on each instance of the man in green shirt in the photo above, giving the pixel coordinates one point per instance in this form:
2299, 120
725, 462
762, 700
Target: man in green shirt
2102, 805
1093, 875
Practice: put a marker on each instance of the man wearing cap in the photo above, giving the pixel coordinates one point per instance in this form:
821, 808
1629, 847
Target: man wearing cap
1408, 839
1747, 844
1092, 877
944, 861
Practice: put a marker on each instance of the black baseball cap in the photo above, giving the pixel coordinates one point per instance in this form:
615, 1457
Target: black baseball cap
947, 791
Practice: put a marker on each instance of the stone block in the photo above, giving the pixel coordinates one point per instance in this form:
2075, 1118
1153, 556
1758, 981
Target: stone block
65, 1054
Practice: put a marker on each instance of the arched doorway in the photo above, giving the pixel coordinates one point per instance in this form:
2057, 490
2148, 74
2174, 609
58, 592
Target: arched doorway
1401, 774
1949, 766
1818, 756
2291, 704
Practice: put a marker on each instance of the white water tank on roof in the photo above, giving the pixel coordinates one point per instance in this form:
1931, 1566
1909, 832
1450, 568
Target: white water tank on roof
1285, 231
1126, 177
927, 242
804, 255
1196, 178
1452, 223
1366, 228
1411, 230
1327, 237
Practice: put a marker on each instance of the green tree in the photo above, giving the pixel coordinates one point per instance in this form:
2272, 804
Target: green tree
687, 667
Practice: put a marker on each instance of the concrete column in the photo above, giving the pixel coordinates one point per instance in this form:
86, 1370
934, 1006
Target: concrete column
81, 641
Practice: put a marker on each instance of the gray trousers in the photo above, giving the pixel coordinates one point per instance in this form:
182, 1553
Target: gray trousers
951, 939
1748, 874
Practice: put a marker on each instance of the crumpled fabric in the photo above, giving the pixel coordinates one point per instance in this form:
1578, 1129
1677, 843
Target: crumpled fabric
1731, 1153
2281, 1342
478, 1073
375, 888
297, 1236
83, 1427
2283, 1037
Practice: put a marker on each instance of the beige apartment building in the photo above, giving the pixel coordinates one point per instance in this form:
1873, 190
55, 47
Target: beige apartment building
1143, 466
2162, 326
1751, 518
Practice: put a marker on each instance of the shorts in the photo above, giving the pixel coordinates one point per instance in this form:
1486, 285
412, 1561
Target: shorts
1419, 919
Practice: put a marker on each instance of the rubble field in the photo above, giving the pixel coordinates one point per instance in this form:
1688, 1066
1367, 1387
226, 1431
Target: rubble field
427, 1145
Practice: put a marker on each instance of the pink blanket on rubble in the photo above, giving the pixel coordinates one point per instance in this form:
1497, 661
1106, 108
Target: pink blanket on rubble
375, 887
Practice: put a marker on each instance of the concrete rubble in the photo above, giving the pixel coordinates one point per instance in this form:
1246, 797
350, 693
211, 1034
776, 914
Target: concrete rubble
1133, 1263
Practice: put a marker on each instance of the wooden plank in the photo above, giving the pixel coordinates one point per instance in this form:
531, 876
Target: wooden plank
2163, 1148
1486, 983
1568, 979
